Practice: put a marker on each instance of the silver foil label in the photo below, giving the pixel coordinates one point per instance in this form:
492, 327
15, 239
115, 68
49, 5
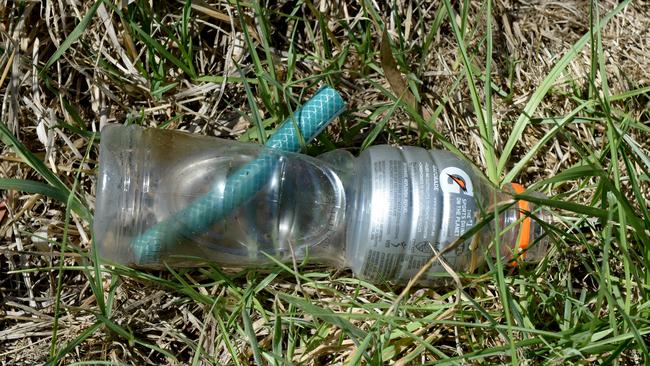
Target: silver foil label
389, 217
426, 217
418, 206
458, 213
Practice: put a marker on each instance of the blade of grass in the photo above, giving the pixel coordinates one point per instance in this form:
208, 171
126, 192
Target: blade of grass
487, 84
30, 186
196, 359
485, 126
635, 147
544, 87
225, 337
532, 151
464, 13
504, 294
636, 189
571, 174
72, 37
250, 333
324, 31
629, 94
568, 206
326, 315
257, 119
264, 91
379, 127
151, 42
115, 328
186, 39
59, 279
265, 36
30, 159
98, 290
360, 352
98, 362
224, 78
426, 52
188, 290
614, 145
70, 346
277, 332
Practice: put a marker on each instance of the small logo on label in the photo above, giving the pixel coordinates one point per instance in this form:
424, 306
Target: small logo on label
424, 247
460, 181
456, 180
401, 244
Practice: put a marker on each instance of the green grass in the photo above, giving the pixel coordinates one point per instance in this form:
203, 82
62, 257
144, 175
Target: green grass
579, 137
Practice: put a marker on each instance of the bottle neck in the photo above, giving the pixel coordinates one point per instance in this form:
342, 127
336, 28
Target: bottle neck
403, 204
521, 235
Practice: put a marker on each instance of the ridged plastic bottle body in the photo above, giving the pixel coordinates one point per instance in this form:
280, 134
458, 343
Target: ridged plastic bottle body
405, 204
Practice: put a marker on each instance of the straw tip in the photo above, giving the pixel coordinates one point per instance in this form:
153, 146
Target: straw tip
333, 94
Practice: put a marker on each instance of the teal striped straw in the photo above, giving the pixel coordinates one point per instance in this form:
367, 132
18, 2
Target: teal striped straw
197, 218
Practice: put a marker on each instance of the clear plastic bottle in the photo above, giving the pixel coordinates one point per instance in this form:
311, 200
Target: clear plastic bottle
166, 196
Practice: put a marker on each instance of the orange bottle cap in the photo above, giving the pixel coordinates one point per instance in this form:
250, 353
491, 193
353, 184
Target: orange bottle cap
526, 224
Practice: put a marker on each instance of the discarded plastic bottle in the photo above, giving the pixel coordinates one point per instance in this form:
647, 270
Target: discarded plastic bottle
382, 214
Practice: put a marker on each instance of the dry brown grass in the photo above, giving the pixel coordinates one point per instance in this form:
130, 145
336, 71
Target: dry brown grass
98, 76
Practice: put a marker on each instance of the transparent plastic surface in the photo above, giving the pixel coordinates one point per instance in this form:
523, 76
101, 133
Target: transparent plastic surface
511, 233
407, 204
166, 196
153, 178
